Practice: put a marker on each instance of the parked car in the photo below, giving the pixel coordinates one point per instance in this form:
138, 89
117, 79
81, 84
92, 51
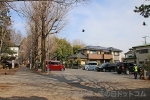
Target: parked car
91, 65
54, 65
106, 66
8, 64
124, 67
75, 66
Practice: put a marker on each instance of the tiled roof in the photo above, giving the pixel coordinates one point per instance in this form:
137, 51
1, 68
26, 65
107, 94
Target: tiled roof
114, 49
129, 52
105, 49
145, 45
94, 48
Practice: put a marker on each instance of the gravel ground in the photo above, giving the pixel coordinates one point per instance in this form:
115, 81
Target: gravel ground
23, 84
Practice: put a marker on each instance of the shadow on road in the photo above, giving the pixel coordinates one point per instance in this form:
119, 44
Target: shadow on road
123, 94
106, 90
91, 89
23, 98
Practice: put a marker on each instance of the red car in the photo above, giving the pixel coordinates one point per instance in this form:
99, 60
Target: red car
54, 65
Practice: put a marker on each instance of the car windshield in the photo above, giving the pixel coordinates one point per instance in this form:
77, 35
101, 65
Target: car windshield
103, 64
55, 63
92, 63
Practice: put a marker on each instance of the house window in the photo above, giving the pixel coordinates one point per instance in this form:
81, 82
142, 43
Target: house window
93, 52
143, 51
116, 61
106, 52
141, 62
116, 53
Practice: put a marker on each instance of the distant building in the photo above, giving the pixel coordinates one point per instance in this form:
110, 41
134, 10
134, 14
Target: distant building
16, 51
138, 54
99, 54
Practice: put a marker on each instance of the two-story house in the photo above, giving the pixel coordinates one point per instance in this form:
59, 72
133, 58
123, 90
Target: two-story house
99, 54
138, 54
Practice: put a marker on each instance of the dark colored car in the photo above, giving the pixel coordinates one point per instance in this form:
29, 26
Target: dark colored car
124, 67
8, 64
107, 66
75, 66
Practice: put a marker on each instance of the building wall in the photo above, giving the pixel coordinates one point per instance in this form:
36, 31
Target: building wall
128, 55
140, 58
131, 60
117, 58
101, 56
15, 49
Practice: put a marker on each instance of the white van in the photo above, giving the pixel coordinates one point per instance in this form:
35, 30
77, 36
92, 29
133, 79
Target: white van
91, 65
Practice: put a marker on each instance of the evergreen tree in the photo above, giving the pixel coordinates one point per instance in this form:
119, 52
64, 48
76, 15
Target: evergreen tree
63, 50
5, 23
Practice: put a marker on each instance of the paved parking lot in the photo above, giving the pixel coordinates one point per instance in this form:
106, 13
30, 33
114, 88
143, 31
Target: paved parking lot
72, 84
83, 75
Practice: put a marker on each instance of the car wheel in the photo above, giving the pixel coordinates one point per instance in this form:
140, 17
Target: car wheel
114, 70
98, 70
127, 72
104, 70
119, 72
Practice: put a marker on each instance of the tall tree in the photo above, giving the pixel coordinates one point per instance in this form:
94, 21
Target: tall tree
144, 10
16, 37
76, 48
51, 18
77, 44
64, 49
51, 46
5, 22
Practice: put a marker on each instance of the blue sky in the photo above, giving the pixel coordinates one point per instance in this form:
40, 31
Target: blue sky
108, 23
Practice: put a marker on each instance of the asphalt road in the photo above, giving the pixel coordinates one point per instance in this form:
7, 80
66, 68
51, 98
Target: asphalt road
72, 84
79, 75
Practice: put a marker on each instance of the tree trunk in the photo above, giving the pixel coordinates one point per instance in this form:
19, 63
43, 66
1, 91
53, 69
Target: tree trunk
43, 52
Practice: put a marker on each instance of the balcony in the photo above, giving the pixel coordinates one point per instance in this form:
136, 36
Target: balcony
108, 56
95, 56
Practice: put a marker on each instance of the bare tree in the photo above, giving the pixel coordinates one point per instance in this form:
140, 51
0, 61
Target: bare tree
16, 37
49, 18
51, 46
78, 42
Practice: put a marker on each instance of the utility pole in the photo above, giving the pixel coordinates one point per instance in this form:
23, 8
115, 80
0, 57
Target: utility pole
48, 47
31, 53
145, 38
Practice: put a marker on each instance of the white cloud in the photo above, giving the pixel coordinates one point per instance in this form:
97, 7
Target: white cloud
109, 23
106, 23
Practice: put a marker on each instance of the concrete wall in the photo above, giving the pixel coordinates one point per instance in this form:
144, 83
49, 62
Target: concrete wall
119, 58
142, 57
